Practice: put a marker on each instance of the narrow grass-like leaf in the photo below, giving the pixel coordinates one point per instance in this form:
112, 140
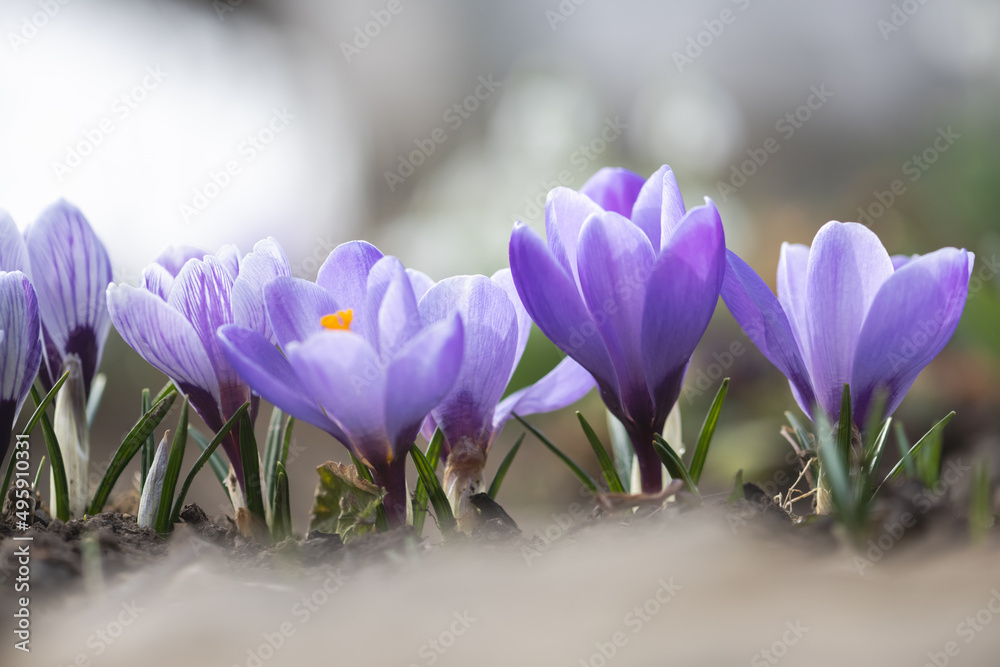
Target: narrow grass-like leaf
272, 453
38, 474
442, 508
871, 464
904, 448
381, 517
707, 431
167, 389
163, 523
281, 523
912, 453
738, 493
250, 456
607, 467
621, 447
674, 464
844, 428
836, 474
286, 438
206, 456
504, 467
60, 484
928, 459
981, 517
587, 480
148, 445
97, 386
420, 494
135, 440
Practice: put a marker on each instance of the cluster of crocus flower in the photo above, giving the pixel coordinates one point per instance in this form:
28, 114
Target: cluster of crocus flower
625, 284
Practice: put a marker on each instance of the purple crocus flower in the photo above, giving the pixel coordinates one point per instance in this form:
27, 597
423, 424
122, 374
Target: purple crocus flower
626, 286
848, 313
172, 318
20, 347
355, 358
496, 333
70, 270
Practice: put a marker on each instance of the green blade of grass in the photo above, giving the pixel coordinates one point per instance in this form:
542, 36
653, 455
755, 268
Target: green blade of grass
981, 517
621, 447
38, 473
607, 467
707, 432
904, 448
167, 389
586, 479
135, 440
281, 524
97, 387
220, 469
504, 467
915, 450
381, 518
674, 464
738, 493
206, 456
836, 473
163, 524
844, 428
286, 438
148, 444
442, 508
420, 497
250, 456
272, 453
59, 481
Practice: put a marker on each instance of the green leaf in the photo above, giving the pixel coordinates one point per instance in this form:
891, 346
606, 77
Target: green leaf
163, 524
738, 493
981, 517
707, 431
346, 503
442, 508
206, 455
167, 389
148, 445
60, 484
845, 428
272, 453
250, 457
97, 386
607, 467
674, 464
38, 474
420, 497
904, 448
381, 518
586, 479
220, 469
872, 461
286, 439
281, 524
135, 439
504, 467
836, 473
913, 452
621, 448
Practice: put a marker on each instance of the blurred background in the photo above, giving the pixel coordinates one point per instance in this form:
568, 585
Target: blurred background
429, 126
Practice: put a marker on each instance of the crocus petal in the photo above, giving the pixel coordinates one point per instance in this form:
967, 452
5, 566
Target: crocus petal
341, 370
420, 282
847, 267
615, 258
266, 262
398, 317
21, 345
421, 377
384, 272
162, 336
71, 271
911, 319
491, 334
264, 368
756, 309
659, 208
157, 279
13, 251
680, 299
174, 258
229, 256
792, 268
614, 189
295, 308
344, 274
202, 294
564, 385
550, 296
565, 212
505, 280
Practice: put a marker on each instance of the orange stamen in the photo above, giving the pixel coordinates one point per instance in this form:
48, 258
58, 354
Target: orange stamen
338, 321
